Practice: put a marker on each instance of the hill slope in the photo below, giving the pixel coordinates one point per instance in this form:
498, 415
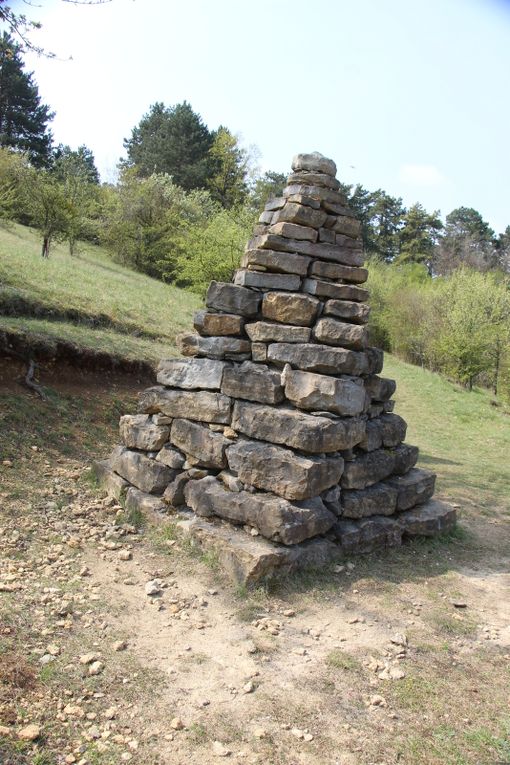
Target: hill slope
87, 300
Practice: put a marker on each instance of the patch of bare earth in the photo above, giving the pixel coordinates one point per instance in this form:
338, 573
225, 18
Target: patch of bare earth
403, 657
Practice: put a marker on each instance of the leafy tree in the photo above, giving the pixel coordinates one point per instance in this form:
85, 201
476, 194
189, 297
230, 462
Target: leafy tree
381, 220
467, 240
419, 235
171, 140
12, 167
266, 187
77, 172
228, 169
502, 246
23, 118
46, 203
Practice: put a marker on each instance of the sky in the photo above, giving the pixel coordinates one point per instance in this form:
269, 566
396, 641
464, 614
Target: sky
411, 96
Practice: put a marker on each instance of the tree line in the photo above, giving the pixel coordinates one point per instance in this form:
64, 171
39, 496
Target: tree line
187, 198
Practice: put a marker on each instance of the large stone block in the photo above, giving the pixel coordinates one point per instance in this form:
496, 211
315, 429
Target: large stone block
290, 308
314, 179
347, 225
280, 262
380, 388
191, 373
174, 492
274, 517
306, 432
318, 358
213, 347
230, 298
282, 471
145, 474
326, 196
379, 499
373, 436
267, 281
427, 520
337, 272
333, 332
171, 457
147, 504
294, 231
367, 469
203, 405
314, 163
406, 457
214, 324
137, 431
337, 253
393, 429
375, 360
267, 332
348, 309
341, 395
253, 382
335, 291
368, 534
414, 488
300, 214
201, 442
111, 483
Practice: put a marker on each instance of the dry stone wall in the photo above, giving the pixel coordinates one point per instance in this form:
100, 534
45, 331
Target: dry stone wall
277, 430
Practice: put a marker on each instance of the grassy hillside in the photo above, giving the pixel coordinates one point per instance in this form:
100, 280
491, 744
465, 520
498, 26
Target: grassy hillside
87, 299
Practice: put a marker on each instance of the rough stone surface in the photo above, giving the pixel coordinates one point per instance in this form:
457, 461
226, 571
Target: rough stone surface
368, 534
406, 457
318, 358
337, 253
303, 215
380, 388
379, 499
367, 469
347, 225
214, 347
335, 291
341, 395
140, 502
348, 309
393, 429
282, 471
191, 374
111, 483
274, 517
203, 405
294, 231
171, 457
230, 298
292, 428
201, 442
434, 517
314, 178
268, 281
290, 308
253, 382
375, 360
145, 474
214, 324
333, 332
338, 272
280, 262
137, 431
314, 162
414, 488
174, 492
267, 332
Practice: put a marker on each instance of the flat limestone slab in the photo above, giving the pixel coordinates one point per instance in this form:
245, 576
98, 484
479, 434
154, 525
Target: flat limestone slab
203, 405
315, 357
414, 488
191, 374
137, 431
340, 395
111, 483
434, 517
249, 560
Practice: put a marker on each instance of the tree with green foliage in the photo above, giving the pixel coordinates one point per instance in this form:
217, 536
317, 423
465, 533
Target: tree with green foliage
172, 140
381, 217
12, 167
502, 247
468, 240
228, 164
23, 118
419, 235
46, 204
266, 187
77, 172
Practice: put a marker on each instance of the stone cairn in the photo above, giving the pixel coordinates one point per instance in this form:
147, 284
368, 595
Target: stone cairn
277, 438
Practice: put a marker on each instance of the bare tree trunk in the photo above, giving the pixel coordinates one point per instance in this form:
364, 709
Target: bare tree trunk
46, 247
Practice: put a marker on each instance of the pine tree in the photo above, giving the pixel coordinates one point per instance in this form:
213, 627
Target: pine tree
23, 118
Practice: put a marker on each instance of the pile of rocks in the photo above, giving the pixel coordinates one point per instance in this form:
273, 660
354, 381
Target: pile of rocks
280, 422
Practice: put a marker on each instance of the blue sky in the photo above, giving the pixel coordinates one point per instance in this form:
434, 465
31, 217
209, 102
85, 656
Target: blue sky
408, 95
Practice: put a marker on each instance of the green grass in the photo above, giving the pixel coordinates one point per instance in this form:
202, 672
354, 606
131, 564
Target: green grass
88, 299
462, 437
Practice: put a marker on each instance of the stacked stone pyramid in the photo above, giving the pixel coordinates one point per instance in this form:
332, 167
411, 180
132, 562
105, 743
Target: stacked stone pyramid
277, 433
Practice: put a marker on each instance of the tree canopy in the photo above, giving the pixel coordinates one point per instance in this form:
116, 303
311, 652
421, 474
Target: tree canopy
23, 118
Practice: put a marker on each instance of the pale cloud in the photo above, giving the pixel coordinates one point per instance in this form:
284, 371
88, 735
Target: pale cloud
421, 175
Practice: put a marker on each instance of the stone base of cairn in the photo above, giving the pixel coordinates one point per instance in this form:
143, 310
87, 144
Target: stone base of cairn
277, 436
